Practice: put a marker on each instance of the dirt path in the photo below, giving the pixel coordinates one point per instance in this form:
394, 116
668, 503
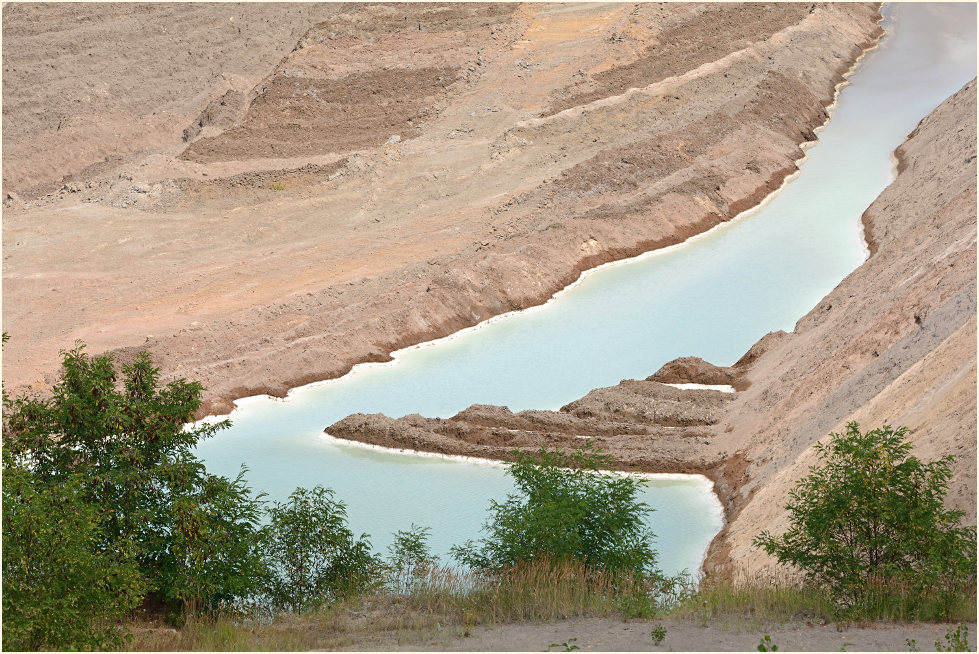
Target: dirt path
604, 635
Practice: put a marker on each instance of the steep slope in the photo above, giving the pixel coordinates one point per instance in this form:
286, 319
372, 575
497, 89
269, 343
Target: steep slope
404, 172
894, 343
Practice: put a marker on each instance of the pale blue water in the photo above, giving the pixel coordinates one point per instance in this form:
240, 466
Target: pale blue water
713, 298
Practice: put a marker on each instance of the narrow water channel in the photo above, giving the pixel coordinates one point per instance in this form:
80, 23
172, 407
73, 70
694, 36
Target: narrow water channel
712, 297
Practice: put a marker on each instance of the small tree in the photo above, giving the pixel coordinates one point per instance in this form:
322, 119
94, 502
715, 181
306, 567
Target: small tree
410, 558
567, 510
211, 549
871, 517
127, 444
58, 591
313, 556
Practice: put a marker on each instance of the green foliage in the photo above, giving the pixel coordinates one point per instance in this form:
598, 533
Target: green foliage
870, 521
567, 646
410, 558
955, 641
766, 644
566, 510
658, 634
912, 644
127, 443
59, 592
210, 551
313, 556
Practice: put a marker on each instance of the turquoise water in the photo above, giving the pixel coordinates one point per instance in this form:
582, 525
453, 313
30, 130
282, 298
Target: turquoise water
713, 297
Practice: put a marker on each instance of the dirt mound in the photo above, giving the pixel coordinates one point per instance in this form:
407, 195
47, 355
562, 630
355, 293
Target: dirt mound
295, 117
694, 36
219, 115
124, 80
694, 370
645, 425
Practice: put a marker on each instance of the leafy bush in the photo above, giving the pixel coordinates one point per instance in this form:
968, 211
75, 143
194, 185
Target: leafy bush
211, 552
871, 520
410, 558
955, 641
313, 556
566, 510
128, 448
58, 591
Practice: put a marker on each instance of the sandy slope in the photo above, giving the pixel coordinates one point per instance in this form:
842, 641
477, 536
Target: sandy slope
894, 343
260, 216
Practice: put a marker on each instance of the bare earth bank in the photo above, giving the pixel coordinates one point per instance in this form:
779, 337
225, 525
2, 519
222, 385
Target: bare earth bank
403, 172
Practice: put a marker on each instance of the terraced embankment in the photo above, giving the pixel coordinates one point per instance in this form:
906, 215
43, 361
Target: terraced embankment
404, 172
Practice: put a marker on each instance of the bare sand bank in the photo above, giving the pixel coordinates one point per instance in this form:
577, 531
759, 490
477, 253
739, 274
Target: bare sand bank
255, 246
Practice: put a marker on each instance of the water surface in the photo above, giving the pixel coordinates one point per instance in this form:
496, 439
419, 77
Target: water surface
713, 297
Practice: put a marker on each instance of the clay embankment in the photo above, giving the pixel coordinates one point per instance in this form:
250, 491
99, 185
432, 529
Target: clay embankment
894, 343
404, 172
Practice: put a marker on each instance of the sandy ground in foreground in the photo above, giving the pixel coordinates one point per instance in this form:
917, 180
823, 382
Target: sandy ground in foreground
602, 635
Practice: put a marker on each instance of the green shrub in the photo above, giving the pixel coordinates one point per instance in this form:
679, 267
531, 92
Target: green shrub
313, 556
870, 521
127, 445
410, 559
60, 592
956, 640
211, 552
566, 510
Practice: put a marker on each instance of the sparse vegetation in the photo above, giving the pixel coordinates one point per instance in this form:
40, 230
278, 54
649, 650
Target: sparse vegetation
766, 644
410, 559
658, 634
313, 557
956, 640
566, 646
567, 510
756, 603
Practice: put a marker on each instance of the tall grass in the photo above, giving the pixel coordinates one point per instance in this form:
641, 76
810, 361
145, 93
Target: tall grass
533, 591
442, 603
760, 601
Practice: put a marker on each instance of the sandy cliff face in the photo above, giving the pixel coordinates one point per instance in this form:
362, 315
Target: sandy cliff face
894, 343
401, 173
